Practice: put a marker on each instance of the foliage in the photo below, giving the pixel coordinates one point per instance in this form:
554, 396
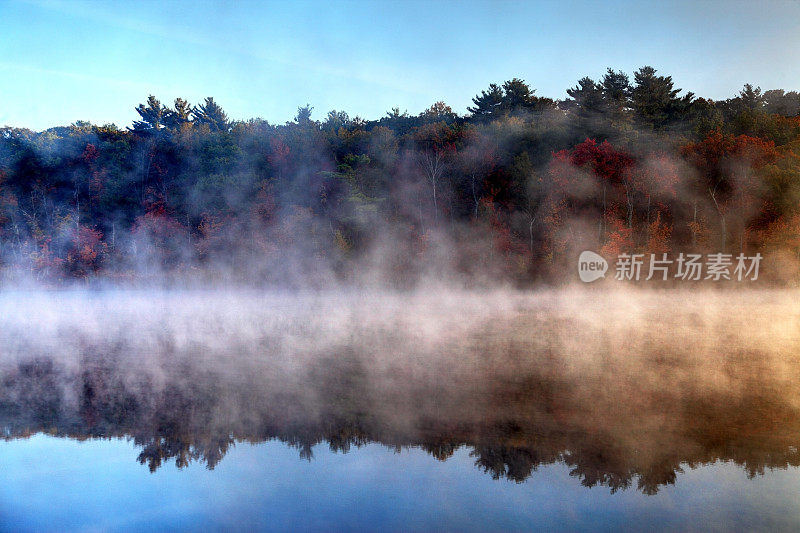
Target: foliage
617, 166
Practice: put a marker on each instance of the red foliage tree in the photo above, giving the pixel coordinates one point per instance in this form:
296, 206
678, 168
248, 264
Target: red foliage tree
86, 253
97, 175
159, 236
589, 178
620, 239
728, 167
45, 262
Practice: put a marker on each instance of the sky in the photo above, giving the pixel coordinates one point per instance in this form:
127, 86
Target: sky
62, 61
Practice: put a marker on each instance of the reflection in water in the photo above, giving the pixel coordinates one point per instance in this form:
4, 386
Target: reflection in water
626, 390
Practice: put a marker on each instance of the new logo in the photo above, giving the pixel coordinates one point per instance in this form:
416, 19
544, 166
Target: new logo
591, 266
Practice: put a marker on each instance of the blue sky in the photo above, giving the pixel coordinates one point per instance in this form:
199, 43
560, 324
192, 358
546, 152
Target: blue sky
95, 60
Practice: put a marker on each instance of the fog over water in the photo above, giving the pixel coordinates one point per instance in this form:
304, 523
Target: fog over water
536, 311
626, 388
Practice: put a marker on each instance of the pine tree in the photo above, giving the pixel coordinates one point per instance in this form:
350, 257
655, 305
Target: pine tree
778, 102
336, 120
487, 104
178, 116
517, 95
751, 98
587, 96
654, 100
616, 91
211, 114
153, 114
303, 117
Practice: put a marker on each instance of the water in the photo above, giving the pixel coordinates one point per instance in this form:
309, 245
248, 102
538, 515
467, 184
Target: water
499, 411
97, 485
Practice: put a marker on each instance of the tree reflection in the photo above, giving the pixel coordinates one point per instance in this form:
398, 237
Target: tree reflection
617, 426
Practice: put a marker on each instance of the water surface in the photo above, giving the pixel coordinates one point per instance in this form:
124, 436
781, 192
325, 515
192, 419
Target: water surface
493, 411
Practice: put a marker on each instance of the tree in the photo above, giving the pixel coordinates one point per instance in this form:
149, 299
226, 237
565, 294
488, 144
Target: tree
179, 116
303, 117
616, 90
751, 98
158, 237
778, 102
211, 115
475, 162
655, 102
152, 114
397, 122
186, 184
706, 117
587, 96
437, 112
488, 104
87, 251
658, 236
727, 165
518, 96
514, 97
610, 173
586, 105
435, 143
336, 120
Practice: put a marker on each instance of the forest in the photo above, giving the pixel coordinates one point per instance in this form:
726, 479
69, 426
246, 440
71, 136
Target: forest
510, 192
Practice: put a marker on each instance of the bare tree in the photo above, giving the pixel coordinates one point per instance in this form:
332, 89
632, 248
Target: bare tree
432, 163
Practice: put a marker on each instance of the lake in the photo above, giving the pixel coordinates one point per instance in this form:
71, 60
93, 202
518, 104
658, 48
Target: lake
438, 410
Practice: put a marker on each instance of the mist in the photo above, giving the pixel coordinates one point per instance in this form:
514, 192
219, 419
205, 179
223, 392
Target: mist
192, 284
598, 380
508, 195
572, 309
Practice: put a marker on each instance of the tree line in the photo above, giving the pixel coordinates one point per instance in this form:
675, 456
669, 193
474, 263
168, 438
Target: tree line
512, 190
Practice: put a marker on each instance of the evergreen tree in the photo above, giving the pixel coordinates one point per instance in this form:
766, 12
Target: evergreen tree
488, 104
513, 97
211, 114
778, 102
654, 100
616, 90
587, 96
152, 114
303, 117
751, 98
586, 105
399, 123
517, 95
178, 116
336, 120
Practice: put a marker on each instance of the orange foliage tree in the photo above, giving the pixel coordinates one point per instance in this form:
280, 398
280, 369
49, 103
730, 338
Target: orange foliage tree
86, 253
728, 166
